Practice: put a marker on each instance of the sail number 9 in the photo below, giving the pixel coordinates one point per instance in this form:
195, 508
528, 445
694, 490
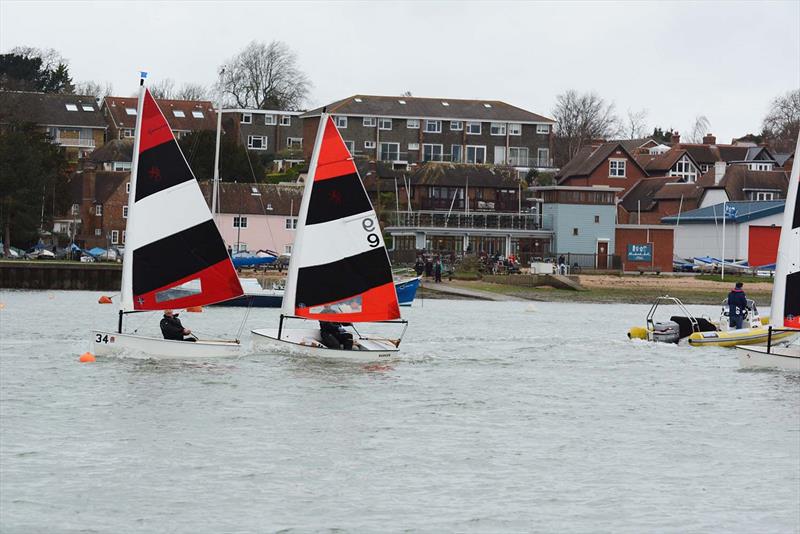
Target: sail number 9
372, 236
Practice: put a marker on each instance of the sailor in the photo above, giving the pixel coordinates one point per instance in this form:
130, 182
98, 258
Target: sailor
172, 328
737, 304
334, 336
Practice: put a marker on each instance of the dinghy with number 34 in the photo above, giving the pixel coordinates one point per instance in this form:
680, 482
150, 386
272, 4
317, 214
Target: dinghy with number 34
171, 239
339, 270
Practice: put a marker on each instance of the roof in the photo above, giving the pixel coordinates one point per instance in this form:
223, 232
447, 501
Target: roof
588, 158
460, 174
678, 190
660, 163
50, 109
117, 106
106, 182
781, 159
745, 211
738, 179
114, 150
438, 108
632, 145
708, 154
238, 198
642, 194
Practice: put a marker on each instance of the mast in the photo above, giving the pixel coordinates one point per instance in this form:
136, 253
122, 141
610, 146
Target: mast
126, 290
215, 187
788, 260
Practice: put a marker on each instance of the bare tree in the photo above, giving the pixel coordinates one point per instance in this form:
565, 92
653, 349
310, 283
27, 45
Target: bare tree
702, 126
192, 91
95, 89
579, 119
782, 123
406, 93
264, 76
51, 58
635, 125
164, 88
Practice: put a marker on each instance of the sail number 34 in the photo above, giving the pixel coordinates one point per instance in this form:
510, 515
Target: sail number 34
373, 239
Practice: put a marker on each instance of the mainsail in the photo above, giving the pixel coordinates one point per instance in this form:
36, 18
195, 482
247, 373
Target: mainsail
786, 291
170, 235
340, 269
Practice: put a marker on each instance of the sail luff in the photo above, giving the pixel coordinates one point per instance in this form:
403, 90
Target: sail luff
290, 291
785, 290
126, 289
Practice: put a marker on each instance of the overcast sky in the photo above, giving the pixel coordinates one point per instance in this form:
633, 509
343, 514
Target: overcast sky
724, 60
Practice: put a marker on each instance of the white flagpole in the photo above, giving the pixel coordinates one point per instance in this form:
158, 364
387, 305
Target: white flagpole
724, 216
215, 187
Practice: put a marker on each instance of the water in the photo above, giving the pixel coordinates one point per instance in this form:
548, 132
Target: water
499, 419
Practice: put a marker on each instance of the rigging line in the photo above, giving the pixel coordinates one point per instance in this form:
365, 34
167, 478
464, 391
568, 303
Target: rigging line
147, 317
244, 320
266, 222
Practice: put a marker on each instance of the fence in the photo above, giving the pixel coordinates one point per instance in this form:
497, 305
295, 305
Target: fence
485, 220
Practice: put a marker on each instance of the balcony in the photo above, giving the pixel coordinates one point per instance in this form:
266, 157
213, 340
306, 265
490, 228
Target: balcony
535, 163
78, 142
470, 221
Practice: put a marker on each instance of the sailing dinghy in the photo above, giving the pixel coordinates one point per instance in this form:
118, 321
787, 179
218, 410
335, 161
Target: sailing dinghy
170, 239
785, 307
339, 270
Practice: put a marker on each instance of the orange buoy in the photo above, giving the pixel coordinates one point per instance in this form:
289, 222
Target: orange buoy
2, 305
86, 357
104, 300
195, 309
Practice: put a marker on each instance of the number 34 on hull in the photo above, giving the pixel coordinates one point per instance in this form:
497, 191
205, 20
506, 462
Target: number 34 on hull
115, 344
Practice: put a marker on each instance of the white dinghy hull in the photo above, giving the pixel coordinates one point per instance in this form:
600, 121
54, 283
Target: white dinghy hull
116, 344
787, 358
307, 342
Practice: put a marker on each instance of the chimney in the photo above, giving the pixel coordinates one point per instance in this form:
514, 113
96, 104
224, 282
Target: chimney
719, 171
676, 138
709, 139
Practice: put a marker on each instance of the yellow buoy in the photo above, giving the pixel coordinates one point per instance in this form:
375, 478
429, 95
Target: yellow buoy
104, 300
86, 357
637, 332
194, 309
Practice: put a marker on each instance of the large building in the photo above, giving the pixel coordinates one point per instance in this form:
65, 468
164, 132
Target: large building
183, 116
268, 131
404, 130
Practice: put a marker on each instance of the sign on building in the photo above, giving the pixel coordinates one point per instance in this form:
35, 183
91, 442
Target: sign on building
640, 252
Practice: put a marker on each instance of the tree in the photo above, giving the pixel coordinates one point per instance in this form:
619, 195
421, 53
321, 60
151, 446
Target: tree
663, 137
31, 168
581, 118
701, 127
163, 88
264, 76
782, 122
635, 124
192, 91
32, 69
235, 163
95, 89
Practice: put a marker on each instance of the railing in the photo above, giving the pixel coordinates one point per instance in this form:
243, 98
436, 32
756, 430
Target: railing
74, 141
470, 221
530, 162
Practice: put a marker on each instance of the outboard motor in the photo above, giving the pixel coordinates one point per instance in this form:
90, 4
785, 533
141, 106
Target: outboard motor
666, 332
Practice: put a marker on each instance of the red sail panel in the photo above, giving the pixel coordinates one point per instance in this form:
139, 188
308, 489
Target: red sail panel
218, 282
334, 159
155, 128
376, 304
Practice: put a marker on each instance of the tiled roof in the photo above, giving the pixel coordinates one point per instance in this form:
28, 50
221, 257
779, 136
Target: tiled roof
114, 150
642, 194
678, 190
238, 198
117, 107
50, 109
708, 154
588, 158
439, 108
107, 182
744, 211
452, 174
738, 179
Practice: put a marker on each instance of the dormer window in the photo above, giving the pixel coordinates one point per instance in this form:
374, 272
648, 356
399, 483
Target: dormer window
179, 113
130, 111
685, 170
71, 107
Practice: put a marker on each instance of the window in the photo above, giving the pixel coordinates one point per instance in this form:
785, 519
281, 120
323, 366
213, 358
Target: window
764, 195
432, 126
71, 107
574, 231
543, 155
616, 168
684, 169
351, 146
239, 222
412, 123
596, 219
75, 209
179, 113
128, 188
294, 142
124, 212
385, 124
257, 142
514, 128
445, 104
760, 166
497, 128
98, 231
341, 122
130, 111
476, 154
121, 166
369, 145
473, 128
286, 120
114, 237
403, 102
127, 132
413, 146
455, 153
486, 105
432, 152
456, 126
518, 156
247, 118
197, 114
269, 120
291, 223
542, 128
241, 247
98, 209
87, 107
123, 237
390, 151
369, 122
287, 249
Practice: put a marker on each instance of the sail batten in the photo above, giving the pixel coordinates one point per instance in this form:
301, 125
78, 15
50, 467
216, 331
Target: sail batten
340, 269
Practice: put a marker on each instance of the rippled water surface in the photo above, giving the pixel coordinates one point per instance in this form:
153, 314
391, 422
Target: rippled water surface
502, 417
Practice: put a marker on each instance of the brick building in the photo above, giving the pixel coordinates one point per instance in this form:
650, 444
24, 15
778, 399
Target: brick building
611, 164
659, 240
268, 131
183, 116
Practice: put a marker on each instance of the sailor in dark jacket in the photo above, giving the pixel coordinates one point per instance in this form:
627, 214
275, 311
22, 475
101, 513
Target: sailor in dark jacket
737, 304
334, 336
172, 328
